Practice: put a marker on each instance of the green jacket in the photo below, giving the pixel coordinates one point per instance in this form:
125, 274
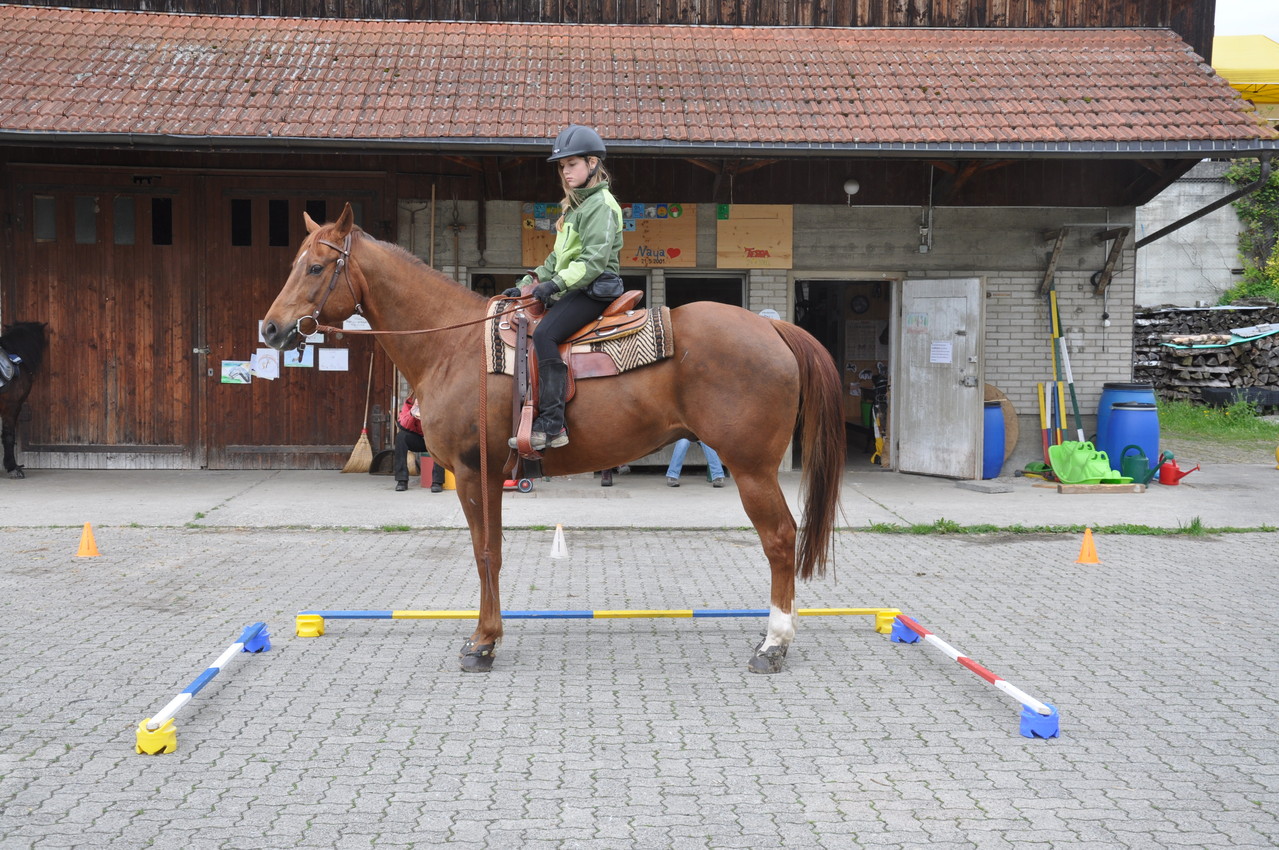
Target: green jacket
588, 244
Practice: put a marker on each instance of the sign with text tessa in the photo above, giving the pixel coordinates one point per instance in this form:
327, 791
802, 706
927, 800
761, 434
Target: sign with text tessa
754, 236
653, 235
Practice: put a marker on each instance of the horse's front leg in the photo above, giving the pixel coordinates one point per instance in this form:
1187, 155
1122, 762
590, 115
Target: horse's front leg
10, 460
766, 506
478, 650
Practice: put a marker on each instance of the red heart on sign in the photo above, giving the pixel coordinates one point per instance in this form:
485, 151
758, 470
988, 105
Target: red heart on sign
672, 252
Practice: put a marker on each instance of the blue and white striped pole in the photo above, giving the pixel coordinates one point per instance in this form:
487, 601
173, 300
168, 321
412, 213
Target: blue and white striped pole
158, 734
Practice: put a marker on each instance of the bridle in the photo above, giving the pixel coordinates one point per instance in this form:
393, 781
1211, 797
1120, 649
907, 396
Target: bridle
340, 265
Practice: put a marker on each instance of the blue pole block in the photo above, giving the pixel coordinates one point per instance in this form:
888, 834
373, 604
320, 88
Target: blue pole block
1036, 725
256, 638
901, 634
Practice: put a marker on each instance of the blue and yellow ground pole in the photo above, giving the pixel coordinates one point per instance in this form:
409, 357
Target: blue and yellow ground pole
311, 623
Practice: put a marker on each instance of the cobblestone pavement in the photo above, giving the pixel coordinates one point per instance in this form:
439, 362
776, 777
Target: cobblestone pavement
637, 733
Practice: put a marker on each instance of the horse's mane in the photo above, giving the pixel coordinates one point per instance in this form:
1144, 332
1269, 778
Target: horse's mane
25, 339
413, 259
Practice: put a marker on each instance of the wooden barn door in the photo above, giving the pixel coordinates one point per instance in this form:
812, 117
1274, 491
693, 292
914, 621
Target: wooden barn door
104, 258
310, 416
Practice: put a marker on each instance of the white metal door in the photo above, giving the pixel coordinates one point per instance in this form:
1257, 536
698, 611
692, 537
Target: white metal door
937, 402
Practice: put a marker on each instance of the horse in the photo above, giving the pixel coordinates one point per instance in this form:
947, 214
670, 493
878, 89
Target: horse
737, 380
26, 340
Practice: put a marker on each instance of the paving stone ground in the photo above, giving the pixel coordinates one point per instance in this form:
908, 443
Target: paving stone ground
637, 733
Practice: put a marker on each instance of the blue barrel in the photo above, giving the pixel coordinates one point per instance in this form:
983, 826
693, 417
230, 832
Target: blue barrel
1132, 423
1112, 394
992, 440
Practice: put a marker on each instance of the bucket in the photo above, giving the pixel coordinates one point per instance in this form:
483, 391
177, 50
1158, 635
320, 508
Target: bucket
992, 440
1132, 423
1116, 393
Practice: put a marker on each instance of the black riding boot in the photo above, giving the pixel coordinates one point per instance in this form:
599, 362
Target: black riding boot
548, 427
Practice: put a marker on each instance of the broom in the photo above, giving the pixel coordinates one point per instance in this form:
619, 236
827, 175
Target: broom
362, 455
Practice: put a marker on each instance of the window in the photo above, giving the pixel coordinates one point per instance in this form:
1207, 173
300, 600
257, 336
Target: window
44, 215
86, 220
317, 210
122, 224
277, 220
241, 221
161, 221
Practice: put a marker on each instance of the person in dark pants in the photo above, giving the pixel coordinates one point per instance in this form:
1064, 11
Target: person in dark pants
579, 277
408, 438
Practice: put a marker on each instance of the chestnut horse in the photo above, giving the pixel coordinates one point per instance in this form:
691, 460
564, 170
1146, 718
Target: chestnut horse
737, 380
25, 340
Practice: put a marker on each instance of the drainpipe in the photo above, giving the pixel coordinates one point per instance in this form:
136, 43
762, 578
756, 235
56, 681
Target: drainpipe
1215, 205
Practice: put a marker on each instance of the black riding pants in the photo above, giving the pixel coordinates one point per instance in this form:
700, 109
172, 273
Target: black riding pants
406, 441
574, 309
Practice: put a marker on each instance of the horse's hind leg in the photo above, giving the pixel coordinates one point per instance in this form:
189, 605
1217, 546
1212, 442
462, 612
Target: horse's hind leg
766, 506
10, 460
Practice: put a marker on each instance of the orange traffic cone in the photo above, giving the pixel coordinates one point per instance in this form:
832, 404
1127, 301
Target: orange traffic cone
1088, 551
88, 548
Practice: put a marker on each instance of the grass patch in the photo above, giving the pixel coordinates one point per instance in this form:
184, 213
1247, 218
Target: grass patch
1237, 424
1194, 528
395, 528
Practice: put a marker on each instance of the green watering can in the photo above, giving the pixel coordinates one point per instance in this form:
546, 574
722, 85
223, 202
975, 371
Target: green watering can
1136, 466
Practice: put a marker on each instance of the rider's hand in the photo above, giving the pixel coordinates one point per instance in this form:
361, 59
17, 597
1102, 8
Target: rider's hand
513, 292
545, 291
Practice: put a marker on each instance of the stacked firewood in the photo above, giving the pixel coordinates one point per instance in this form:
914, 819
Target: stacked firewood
1184, 373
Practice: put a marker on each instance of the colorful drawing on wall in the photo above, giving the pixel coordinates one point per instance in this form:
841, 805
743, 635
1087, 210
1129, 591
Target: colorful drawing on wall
304, 359
653, 235
236, 372
754, 236
660, 236
265, 364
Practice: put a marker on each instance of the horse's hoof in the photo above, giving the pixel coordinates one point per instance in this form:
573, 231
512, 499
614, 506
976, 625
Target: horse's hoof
476, 659
768, 660
17, 473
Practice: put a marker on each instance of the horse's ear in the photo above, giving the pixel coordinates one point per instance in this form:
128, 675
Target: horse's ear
311, 226
345, 221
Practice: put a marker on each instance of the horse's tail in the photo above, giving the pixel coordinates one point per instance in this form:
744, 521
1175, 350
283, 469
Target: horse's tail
822, 443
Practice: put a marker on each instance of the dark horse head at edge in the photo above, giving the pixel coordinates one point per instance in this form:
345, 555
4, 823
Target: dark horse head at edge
26, 342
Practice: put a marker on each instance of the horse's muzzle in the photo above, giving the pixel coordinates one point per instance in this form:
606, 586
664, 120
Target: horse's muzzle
280, 337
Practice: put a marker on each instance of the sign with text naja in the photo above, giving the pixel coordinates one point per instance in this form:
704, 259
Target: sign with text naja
754, 236
654, 235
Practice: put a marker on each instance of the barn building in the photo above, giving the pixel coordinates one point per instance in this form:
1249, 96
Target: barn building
910, 182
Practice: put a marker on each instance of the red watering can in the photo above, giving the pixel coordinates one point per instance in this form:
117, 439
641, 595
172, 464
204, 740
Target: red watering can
1169, 472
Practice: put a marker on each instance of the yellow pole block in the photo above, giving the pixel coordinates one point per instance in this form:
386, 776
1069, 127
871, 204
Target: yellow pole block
162, 740
310, 625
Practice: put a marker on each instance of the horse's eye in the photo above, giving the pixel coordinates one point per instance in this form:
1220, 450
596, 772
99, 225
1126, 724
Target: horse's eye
315, 268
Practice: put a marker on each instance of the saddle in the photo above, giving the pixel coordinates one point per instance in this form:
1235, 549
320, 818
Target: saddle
621, 338
8, 367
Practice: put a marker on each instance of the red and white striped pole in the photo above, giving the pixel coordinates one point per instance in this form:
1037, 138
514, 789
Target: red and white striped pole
1038, 719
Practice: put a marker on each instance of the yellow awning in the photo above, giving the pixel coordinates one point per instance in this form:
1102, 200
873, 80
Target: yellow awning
1250, 63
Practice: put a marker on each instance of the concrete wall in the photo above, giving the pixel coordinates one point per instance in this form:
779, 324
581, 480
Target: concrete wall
1004, 246
1192, 264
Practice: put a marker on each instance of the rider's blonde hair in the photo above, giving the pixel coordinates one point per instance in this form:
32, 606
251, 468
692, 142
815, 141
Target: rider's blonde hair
571, 197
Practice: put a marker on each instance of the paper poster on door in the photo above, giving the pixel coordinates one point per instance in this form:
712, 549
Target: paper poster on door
754, 236
940, 352
333, 359
265, 364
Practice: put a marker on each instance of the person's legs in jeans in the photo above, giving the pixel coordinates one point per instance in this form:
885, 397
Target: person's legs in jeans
713, 464
677, 462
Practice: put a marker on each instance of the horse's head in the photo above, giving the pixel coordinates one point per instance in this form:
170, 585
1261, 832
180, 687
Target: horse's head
320, 287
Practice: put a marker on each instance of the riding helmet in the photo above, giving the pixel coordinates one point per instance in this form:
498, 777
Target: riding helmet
576, 140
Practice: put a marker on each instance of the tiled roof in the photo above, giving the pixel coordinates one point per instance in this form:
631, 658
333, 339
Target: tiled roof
143, 78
